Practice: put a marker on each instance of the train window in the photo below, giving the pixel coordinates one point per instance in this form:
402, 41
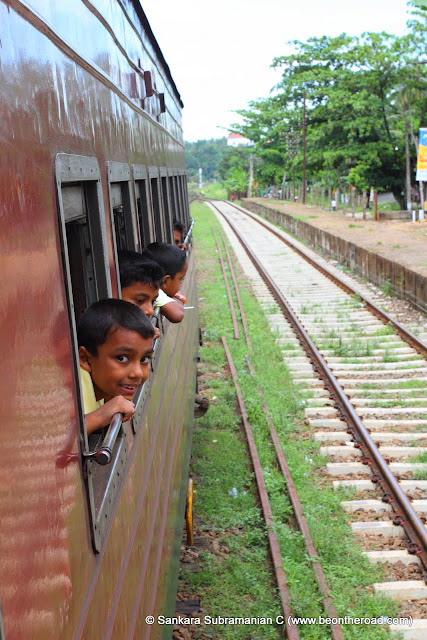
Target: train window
145, 220
87, 278
166, 206
173, 199
187, 203
159, 227
122, 216
184, 217
83, 233
178, 199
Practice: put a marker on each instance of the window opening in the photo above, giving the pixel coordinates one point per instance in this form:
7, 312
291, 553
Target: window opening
145, 221
166, 208
175, 210
157, 213
87, 279
186, 217
178, 197
121, 206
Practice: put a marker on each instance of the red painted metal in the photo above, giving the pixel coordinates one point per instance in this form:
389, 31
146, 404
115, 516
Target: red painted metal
66, 86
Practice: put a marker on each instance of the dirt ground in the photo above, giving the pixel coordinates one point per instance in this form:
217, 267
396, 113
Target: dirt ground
403, 241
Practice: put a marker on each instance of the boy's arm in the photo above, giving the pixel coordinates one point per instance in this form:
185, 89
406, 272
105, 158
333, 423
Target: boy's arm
173, 311
102, 417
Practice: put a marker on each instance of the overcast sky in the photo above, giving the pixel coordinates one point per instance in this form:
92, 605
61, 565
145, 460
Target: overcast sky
219, 52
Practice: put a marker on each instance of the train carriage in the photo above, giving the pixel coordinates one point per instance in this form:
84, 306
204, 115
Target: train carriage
92, 162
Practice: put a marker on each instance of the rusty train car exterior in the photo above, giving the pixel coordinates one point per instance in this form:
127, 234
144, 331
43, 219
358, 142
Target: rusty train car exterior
92, 161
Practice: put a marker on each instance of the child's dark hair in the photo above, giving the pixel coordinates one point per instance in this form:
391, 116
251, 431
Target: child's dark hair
135, 268
178, 226
104, 317
171, 258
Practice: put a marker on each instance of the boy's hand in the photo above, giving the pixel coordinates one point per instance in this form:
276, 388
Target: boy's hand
156, 333
102, 416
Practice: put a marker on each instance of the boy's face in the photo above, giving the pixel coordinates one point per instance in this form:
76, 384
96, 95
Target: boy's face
170, 285
141, 294
177, 238
121, 366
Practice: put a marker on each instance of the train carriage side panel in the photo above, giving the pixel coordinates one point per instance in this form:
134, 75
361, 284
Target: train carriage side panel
67, 86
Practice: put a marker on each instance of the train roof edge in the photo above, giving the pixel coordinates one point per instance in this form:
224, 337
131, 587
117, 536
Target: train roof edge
146, 25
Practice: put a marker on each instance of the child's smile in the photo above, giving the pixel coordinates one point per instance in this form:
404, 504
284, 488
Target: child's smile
121, 366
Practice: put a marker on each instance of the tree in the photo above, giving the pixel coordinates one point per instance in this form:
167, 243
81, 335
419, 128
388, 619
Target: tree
362, 101
206, 154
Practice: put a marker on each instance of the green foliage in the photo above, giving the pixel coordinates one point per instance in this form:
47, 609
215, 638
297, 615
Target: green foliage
364, 99
205, 154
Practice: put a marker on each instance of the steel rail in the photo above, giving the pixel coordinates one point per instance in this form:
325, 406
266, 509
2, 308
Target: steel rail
290, 628
236, 289
336, 629
230, 297
405, 515
404, 333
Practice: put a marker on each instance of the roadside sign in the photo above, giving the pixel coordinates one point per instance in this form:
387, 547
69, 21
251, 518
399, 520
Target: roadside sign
422, 156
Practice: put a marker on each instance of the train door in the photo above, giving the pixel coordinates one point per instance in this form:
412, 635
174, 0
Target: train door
143, 206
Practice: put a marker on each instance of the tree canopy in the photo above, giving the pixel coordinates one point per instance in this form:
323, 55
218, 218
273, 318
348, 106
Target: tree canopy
363, 96
206, 154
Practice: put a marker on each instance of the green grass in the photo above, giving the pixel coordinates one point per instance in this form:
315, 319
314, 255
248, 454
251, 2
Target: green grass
239, 583
210, 190
356, 226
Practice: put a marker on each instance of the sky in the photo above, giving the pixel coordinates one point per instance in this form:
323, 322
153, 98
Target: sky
220, 51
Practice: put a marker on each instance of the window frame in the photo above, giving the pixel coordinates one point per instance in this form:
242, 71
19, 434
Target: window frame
181, 181
158, 216
141, 178
167, 208
119, 172
100, 494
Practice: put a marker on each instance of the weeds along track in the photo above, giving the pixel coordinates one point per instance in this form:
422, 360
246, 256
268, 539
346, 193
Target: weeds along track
366, 400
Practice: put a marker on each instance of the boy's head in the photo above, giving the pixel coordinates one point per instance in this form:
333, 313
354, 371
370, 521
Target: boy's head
173, 262
140, 280
115, 346
178, 230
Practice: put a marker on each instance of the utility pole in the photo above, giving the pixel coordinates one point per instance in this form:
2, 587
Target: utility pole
200, 178
304, 135
251, 174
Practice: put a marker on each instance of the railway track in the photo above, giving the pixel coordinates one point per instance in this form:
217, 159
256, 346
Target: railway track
366, 377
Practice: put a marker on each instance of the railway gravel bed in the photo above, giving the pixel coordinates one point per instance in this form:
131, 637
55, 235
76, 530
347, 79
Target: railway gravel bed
385, 379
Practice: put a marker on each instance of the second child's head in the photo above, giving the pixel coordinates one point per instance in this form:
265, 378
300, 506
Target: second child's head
115, 346
140, 280
178, 230
173, 262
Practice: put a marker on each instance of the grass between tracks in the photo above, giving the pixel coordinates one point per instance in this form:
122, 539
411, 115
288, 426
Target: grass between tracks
240, 582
